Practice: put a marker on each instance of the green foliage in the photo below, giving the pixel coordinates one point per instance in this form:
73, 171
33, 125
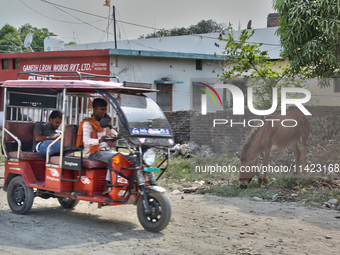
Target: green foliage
39, 34
309, 35
206, 26
178, 170
242, 59
11, 39
71, 43
202, 27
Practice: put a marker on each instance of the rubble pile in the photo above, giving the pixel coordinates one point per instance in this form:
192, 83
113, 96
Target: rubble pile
192, 149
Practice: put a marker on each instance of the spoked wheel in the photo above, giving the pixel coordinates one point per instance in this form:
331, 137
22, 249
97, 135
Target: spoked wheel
67, 203
19, 196
160, 212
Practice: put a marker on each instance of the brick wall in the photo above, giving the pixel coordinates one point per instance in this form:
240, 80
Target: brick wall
272, 20
192, 126
180, 125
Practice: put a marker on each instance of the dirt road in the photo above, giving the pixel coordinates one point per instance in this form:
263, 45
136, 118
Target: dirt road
201, 224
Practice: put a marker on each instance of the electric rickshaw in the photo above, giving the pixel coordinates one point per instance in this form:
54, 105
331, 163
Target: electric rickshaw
143, 133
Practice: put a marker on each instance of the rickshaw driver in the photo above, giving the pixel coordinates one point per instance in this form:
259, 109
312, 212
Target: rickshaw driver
46, 133
94, 138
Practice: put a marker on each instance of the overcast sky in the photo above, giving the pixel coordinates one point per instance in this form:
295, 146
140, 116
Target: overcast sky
84, 28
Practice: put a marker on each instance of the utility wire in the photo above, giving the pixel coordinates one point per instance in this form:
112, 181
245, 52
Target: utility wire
80, 19
54, 18
92, 14
134, 24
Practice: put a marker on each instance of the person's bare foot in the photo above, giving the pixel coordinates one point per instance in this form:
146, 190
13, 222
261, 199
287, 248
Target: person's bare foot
106, 188
106, 191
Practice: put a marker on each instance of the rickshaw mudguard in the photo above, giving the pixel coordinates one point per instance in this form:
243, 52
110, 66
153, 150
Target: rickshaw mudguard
154, 188
157, 189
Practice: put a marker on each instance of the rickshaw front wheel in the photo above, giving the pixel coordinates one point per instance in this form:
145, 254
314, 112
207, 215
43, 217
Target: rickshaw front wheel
160, 211
68, 203
19, 196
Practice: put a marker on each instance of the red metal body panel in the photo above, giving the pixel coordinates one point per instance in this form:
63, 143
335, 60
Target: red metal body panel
12, 167
32, 171
92, 181
53, 179
116, 193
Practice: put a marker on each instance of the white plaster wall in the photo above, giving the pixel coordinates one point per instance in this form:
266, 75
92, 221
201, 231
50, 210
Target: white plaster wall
149, 69
323, 96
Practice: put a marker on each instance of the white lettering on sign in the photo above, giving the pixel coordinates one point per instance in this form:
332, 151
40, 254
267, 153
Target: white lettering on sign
61, 68
99, 66
37, 68
30, 68
45, 68
74, 67
66, 67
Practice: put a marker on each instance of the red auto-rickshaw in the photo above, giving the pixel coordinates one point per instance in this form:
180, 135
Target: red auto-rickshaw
143, 131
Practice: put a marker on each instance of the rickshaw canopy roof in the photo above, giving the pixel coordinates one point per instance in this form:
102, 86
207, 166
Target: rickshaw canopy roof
75, 86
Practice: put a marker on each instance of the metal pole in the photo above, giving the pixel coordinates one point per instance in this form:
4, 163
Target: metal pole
114, 25
108, 27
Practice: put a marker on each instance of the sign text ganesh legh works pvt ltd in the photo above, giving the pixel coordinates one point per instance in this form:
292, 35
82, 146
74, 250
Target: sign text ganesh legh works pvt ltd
81, 67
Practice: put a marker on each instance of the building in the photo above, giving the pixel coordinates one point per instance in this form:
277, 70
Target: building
176, 66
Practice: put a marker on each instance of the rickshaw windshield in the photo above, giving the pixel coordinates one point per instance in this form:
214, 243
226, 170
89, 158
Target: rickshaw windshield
144, 116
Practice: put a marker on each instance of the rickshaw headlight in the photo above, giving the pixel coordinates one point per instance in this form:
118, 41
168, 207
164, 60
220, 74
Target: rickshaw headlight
149, 157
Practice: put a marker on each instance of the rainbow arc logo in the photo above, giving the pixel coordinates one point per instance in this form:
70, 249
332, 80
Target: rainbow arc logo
204, 97
238, 99
209, 93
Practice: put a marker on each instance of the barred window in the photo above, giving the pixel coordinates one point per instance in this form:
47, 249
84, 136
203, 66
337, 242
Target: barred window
164, 96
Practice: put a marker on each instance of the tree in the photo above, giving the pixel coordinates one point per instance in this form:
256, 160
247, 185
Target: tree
246, 60
206, 26
202, 27
11, 39
71, 43
309, 35
39, 35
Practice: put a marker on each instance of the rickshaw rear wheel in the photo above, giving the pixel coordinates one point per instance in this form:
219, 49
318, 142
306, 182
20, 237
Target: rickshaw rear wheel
160, 211
68, 203
19, 196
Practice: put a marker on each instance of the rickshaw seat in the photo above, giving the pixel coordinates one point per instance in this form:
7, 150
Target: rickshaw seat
23, 131
26, 155
87, 163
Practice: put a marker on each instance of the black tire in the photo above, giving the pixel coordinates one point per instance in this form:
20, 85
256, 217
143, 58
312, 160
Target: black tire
160, 214
19, 196
68, 203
